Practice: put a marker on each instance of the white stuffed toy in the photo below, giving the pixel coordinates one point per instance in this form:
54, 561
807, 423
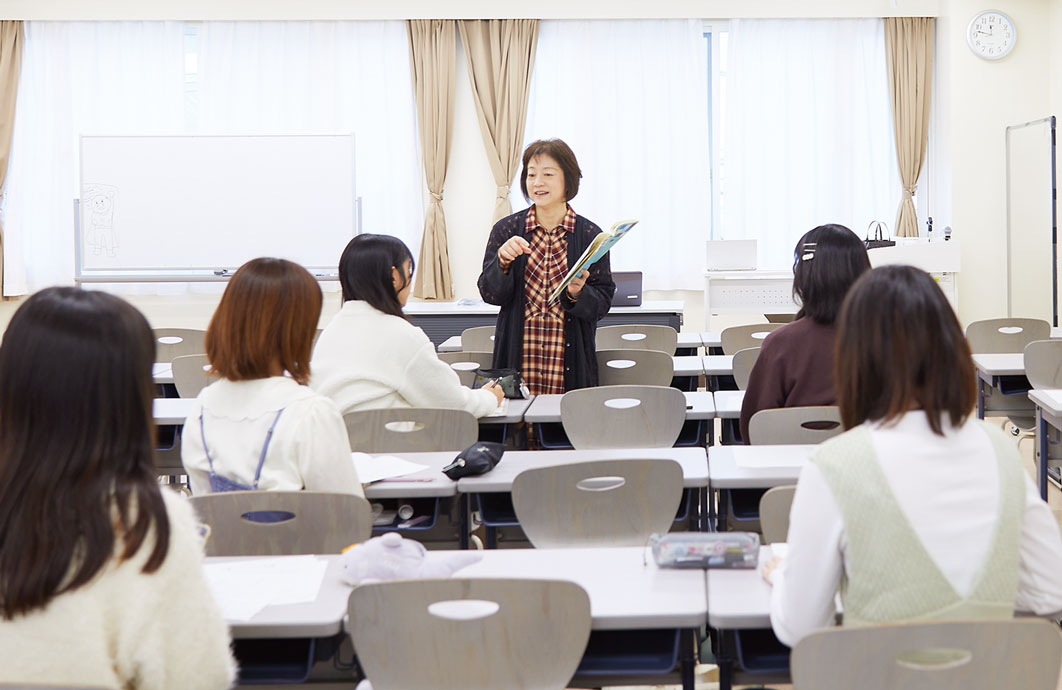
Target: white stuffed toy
390, 557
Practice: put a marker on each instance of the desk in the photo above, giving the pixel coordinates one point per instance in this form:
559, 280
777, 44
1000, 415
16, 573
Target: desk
171, 411
546, 408
162, 372
441, 320
735, 467
728, 404
1048, 414
991, 370
748, 292
686, 341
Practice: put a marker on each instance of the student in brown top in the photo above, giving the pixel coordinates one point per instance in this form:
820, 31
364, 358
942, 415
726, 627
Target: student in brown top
795, 365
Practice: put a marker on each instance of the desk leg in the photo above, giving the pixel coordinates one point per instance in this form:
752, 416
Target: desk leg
980, 398
464, 521
688, 659
724, 658
1041, 441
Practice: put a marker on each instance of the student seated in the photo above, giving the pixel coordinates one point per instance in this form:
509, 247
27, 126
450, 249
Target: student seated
795, 364
261, 426
370, 356
917, 512
101, 580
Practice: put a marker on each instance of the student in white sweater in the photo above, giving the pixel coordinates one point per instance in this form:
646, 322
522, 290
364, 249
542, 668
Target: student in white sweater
101, 580
370, 356
917, 512
261, 426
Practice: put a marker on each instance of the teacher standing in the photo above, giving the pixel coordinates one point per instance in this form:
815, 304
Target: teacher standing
528, 255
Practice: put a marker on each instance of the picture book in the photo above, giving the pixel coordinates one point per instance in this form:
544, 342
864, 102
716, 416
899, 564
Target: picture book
598, 247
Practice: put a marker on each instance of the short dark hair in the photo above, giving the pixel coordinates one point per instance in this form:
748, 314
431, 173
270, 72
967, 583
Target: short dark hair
826, 261
268, 314
565, 157
77, 468
365, 271
899, 347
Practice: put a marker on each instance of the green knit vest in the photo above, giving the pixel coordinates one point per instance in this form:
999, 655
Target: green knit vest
889, 574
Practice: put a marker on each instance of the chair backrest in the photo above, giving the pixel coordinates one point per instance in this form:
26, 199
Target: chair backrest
597, 503
623, 416
742, 337
190, 374
774, 513
276, 523
469, 634
975, 655
410, 429
634, 367
465, 364
744, 360
992, 336
1043, 363
794, 425
171, 343
478, 339
635, 337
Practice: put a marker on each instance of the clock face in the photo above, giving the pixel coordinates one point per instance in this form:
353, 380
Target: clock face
991, 35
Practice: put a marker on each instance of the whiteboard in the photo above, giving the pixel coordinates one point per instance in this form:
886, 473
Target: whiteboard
173, 204
1031, 258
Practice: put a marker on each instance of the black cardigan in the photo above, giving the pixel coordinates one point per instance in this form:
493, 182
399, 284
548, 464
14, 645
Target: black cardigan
581, 316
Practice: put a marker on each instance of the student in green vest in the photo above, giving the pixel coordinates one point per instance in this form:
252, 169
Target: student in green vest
918, 511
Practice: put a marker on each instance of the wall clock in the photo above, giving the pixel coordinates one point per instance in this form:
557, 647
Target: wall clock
991, 35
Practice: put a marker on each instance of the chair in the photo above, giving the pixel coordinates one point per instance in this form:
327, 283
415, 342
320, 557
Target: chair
741, 337
478, 339
623, 416
597, 503
175, 342
993, 336
774, 513
410, 429
190, 374
469, 634
1043, 363
635, 337
277, 523
634, 367
465, 364
1013, 653
744, 360
794, 425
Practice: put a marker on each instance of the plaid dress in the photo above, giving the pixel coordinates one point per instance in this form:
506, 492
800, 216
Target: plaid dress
543, 363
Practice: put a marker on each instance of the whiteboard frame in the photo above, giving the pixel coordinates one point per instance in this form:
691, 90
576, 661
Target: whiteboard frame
210, 274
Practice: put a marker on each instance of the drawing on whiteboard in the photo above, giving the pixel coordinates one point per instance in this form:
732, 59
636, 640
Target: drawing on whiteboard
98, 209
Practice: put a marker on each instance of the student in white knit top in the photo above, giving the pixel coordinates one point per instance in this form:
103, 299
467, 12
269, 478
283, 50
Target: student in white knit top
917, 512
370, 356
101, 580
261, 426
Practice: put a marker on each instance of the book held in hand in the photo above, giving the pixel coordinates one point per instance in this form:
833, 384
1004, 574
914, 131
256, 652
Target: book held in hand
597, 248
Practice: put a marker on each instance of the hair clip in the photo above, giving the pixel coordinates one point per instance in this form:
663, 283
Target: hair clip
809, 251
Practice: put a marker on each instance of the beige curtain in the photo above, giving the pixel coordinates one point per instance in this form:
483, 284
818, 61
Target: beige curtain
433, 56
501, 55
909, 54
10, 67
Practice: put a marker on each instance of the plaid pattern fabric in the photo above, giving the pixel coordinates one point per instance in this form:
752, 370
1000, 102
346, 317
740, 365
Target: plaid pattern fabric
543, 361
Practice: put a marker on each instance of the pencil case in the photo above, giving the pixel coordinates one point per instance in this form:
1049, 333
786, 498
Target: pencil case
706, 549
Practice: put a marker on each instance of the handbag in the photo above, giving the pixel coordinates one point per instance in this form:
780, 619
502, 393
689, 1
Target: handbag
880, 236
509, 379
479, 458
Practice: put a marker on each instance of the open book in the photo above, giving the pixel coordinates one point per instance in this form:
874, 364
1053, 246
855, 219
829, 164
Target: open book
597, 248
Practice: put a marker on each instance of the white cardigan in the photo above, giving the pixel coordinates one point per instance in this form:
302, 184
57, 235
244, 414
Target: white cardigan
948, 487
366, 359
309, 448
127, 629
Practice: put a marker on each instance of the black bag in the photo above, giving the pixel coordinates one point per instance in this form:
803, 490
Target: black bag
479, 458
509, 379
880, 237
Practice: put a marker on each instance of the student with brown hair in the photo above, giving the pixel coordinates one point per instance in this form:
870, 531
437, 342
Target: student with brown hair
261, 426
101, 580
917, 512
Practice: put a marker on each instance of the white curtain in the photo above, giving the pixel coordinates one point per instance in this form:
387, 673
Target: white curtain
79, 78
630, 98
808, 135
289, 77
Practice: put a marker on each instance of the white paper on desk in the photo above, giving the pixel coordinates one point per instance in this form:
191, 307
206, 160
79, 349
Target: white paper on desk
373, 468
770, 460
503, 409
243, 588
779, 549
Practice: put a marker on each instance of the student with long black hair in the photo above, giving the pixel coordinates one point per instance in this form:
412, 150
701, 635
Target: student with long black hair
370, 356
101, 580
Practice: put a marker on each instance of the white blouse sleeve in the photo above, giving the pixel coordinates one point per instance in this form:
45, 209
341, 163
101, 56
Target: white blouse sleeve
1041, 557
806, 582
430, 382
323, 447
